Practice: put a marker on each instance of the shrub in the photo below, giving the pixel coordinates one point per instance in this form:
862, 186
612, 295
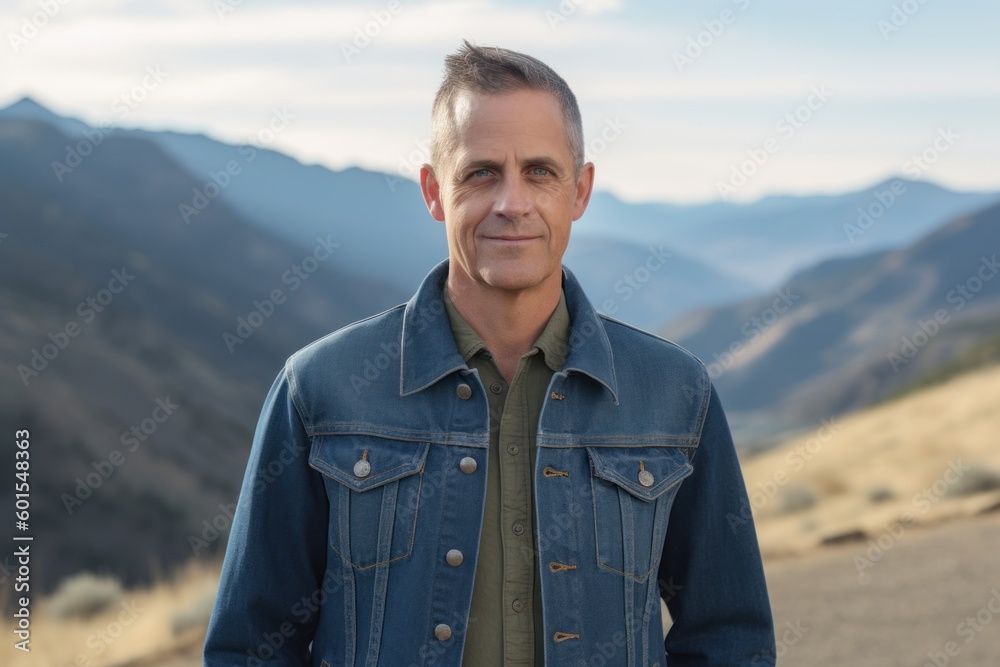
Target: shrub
880, 494
195, 614
795, 498
84, 594
977, 479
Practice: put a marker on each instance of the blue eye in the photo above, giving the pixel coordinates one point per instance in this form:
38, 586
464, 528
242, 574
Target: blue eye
480, 171
543, 169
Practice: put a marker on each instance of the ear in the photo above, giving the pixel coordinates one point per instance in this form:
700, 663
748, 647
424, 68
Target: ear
431, 190
584, 186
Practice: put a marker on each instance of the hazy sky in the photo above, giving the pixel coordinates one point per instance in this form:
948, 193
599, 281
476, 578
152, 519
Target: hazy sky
674, 99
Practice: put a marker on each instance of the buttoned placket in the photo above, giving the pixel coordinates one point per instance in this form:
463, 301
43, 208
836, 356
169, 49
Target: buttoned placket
514, 461
509, 532
517, 461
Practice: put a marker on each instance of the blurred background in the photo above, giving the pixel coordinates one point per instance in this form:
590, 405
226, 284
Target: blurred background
192, 190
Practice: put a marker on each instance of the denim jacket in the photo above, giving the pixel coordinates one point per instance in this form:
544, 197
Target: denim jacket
355, 537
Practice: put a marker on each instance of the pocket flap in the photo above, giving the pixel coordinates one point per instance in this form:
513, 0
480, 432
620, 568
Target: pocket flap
387, 459
628, 467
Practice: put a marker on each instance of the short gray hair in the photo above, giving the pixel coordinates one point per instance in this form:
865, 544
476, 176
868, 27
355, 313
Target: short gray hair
493, 70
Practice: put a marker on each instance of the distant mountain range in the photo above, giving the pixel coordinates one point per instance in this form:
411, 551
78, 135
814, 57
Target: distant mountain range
848, 332
720, 252
110, 304
117, 301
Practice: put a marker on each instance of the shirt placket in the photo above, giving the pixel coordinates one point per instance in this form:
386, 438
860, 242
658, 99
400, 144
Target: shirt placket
516, 514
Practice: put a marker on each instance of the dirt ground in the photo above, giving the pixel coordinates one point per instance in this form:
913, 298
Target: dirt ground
926, 600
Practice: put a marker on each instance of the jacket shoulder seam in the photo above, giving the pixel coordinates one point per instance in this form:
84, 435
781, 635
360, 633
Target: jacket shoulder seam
661, 339
293, 392
292, 360
706, 392
349, 326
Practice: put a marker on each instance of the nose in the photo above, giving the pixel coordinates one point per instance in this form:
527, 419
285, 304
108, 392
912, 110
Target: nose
513, 201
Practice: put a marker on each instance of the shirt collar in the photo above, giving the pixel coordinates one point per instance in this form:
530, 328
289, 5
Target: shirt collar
429, 350
552, 341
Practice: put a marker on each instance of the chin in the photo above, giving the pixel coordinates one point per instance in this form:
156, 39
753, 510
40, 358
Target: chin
509, 276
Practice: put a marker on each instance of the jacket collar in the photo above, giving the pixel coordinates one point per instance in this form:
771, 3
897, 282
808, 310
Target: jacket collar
429, 351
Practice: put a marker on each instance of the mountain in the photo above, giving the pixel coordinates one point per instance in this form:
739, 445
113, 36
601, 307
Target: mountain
137, 349
754, 246
148, 301
850, 331
766, 241
648, 286
382, 225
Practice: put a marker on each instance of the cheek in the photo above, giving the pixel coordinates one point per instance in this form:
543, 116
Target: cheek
466, 201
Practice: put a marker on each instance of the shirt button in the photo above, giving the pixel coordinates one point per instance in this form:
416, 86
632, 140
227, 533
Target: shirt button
518, 528
454, 557
512, 449
464, 391
442, 631
468, 465
496, 387
518, 606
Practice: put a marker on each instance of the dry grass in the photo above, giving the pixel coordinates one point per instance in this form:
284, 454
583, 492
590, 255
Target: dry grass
857, 475
142, 622
901, 461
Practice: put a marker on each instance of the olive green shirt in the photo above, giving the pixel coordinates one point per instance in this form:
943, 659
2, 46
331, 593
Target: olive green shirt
505, 622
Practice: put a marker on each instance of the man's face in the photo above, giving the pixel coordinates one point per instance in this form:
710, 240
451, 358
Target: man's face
507, 193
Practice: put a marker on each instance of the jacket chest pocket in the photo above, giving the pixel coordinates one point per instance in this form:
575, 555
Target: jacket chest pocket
633, 488
373, 484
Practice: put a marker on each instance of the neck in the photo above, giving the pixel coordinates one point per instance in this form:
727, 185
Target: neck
508, 321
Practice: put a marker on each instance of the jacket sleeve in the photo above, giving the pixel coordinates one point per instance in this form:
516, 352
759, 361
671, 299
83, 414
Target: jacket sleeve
265, 611
711, 575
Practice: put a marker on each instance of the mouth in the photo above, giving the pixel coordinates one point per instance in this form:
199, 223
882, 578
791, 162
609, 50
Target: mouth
511, 239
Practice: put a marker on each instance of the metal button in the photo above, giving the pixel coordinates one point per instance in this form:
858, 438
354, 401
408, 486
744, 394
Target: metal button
468, 465
464, 391
512, 449
454, 557
442, 631
362, 468
518, 528
496, 387
518, 606
645, 478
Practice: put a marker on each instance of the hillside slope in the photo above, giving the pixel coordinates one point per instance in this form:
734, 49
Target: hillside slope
926, 457
848, 332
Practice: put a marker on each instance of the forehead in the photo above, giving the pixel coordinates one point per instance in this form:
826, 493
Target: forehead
520, 119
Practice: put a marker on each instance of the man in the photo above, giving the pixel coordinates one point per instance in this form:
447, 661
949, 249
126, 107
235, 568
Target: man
493, 473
